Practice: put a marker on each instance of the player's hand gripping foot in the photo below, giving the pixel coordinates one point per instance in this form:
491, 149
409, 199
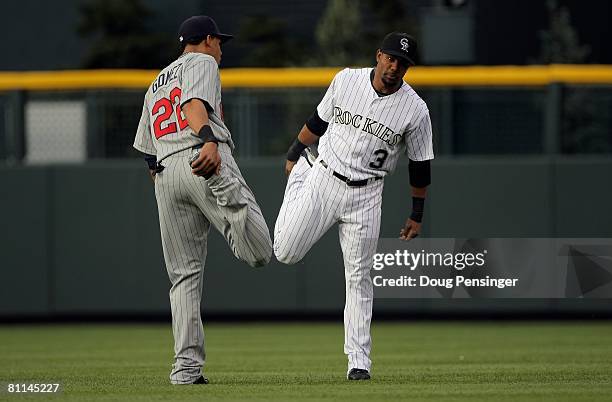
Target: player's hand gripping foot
208, 161
358, 374
411, 230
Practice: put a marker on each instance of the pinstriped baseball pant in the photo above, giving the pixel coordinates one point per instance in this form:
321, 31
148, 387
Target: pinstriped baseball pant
187, 206
315, 200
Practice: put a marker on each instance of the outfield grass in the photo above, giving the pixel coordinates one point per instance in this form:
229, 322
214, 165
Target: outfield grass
447, 361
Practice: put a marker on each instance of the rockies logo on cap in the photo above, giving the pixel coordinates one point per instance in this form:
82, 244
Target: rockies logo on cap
401, 45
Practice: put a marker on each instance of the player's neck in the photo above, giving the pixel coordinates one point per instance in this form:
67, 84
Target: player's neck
200, 48
380, 87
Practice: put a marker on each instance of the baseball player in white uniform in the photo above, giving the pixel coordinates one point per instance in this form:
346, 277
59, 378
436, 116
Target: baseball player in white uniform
368, 118
197, 183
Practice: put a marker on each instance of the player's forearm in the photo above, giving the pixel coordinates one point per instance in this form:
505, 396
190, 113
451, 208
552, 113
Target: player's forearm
419, 192
418, 203
197, 118
304, 139
196, 114
307, 137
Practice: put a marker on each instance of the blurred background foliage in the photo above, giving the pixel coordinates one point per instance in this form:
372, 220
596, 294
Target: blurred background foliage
124, 34
120, 37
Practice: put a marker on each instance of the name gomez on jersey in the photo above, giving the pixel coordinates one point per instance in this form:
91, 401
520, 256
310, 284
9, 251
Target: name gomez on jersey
163, 129
368, 132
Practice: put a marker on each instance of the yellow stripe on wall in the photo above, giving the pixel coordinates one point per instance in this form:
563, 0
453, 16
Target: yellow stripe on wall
315, 77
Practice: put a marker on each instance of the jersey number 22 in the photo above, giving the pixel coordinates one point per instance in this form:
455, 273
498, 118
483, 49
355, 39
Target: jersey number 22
168, 106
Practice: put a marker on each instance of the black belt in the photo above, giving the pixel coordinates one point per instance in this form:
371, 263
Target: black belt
350, 183
159, 167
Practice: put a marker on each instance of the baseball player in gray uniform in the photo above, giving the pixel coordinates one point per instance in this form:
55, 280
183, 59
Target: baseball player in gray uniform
369, 117
197, 183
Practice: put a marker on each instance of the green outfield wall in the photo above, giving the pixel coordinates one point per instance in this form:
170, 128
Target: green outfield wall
84, 239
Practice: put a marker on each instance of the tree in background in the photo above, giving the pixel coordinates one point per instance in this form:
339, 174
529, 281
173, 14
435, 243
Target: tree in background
266, 42
119, 37
384, 17
339, 35
349, 32
581, 129
560, 43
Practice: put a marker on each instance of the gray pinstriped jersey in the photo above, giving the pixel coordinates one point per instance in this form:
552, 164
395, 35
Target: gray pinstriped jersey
163, 129
367, 132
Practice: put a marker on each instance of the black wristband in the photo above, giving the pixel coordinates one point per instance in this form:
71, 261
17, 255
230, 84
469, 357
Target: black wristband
151, 161
207, 135
295, 150
418, 206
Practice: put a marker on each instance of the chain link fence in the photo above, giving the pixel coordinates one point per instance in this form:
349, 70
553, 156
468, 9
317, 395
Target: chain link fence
586, 120
61, 126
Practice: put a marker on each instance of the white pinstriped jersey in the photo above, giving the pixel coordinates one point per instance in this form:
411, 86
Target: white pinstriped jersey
163, 128
367, 132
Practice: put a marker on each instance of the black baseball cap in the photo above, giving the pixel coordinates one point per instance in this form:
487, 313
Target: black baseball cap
199, 26
400, 45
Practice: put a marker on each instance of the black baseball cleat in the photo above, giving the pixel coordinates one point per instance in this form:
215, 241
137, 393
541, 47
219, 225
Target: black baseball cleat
358, 374
201, 380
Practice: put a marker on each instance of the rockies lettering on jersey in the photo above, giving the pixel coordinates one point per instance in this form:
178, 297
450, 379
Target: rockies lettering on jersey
370, 126
368, 132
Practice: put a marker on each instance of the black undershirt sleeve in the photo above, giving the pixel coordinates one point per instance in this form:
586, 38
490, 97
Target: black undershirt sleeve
316, 124
209, 108
420, 173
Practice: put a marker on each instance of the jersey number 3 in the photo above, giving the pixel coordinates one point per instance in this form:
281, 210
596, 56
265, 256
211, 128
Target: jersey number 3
168, 106
381, 157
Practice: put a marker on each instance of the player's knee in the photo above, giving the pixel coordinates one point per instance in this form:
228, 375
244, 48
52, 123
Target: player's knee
286, 256
259, 257
257, 263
